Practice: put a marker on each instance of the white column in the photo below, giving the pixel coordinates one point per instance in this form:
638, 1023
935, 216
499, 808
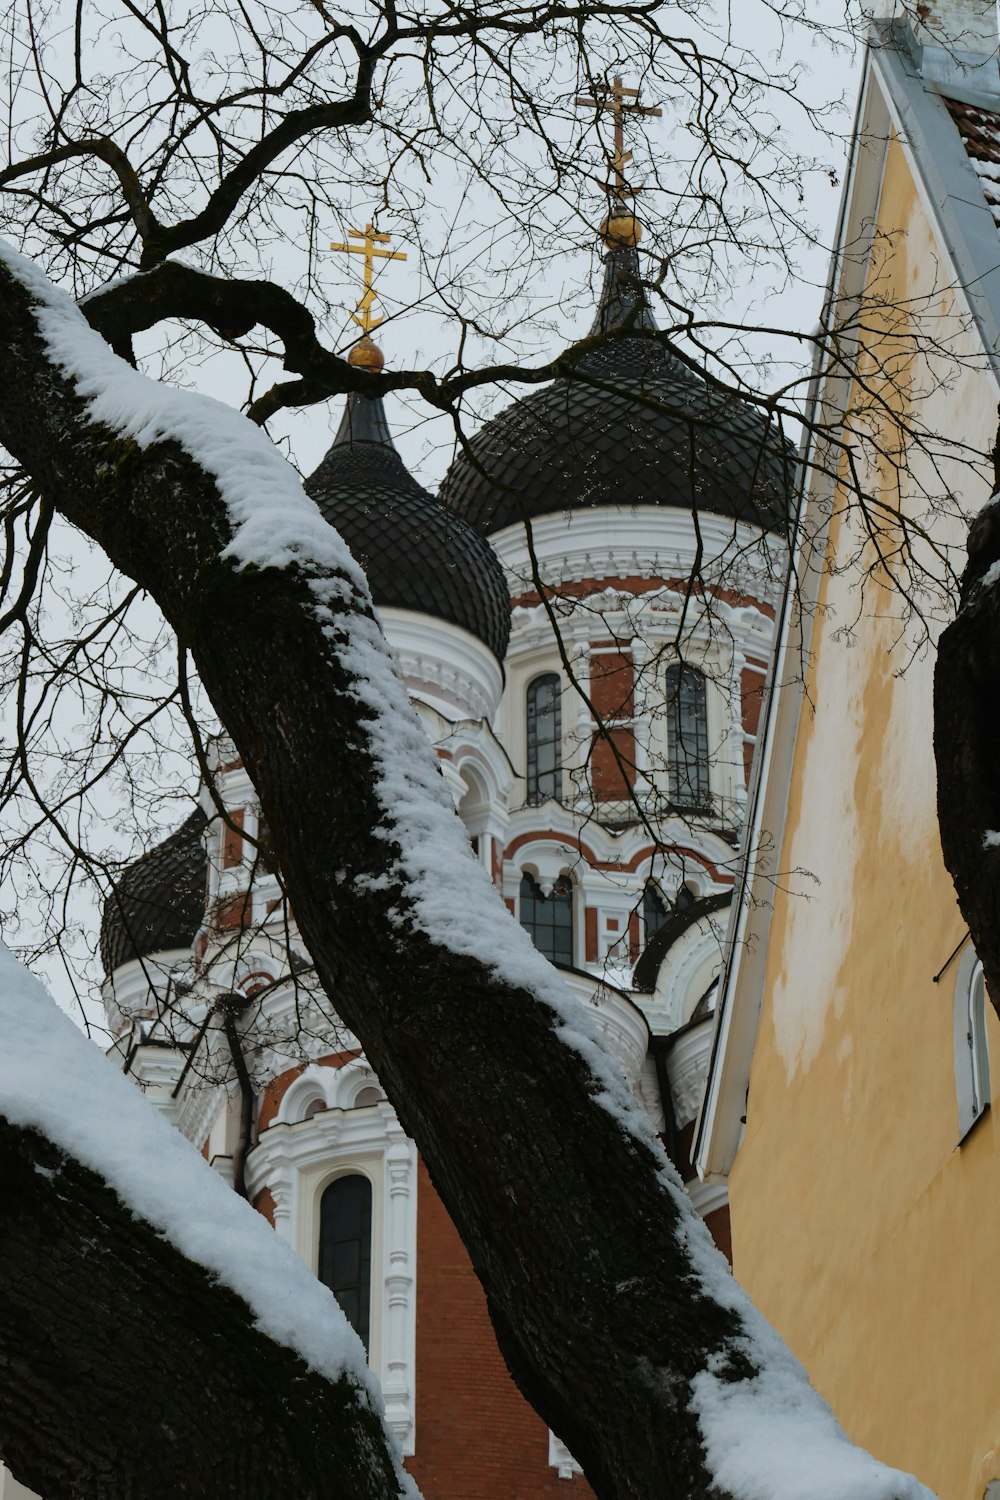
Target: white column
399, 1340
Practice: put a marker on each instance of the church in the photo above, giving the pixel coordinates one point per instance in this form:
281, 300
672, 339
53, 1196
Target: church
583, 617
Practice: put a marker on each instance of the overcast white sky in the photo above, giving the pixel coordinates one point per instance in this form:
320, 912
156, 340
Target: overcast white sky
415, 336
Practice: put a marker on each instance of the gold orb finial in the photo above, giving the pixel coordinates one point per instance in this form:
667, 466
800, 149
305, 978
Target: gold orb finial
366, 355
621, 230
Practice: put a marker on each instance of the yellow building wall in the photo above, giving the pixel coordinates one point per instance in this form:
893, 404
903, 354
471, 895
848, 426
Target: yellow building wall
859, 1229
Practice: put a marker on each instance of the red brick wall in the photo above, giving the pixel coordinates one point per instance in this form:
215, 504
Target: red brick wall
752, 693
476, 1436
719, 1224
611, 692
270, 1099
232, 838
612, 765
264, 1204
611, 684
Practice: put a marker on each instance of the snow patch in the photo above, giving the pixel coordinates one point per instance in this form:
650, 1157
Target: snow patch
991, 839
773, 1438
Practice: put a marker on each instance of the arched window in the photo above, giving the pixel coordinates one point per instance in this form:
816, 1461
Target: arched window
368, 1097
549, 919
687, 737
972, 1062
654, 909
544, 739
345, 1248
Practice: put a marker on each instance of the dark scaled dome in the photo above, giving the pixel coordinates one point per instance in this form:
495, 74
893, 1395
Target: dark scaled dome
158, 902
417, 554
569, 445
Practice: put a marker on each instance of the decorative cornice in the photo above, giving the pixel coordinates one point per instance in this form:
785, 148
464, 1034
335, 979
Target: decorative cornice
444, 666
646, 542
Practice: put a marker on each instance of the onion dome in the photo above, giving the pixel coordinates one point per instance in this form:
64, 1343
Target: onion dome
417, 554
158, 902
570, 445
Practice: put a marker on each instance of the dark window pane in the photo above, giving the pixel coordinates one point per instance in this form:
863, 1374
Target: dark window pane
346, 1263
549, 919
345, 1248
685, 897
544, 739
687, 730
654, 909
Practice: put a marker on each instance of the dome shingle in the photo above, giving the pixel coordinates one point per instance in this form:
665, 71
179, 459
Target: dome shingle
157, 903
573, 445
417, 554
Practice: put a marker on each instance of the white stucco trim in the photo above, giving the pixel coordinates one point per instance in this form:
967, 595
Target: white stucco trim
443, 666
561, 1459
707, 1196
644, 541
297, 1161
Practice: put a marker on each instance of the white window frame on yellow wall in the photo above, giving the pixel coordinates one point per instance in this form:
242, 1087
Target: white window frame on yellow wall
972, 1058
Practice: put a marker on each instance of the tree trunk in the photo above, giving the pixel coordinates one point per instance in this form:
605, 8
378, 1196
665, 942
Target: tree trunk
967, 749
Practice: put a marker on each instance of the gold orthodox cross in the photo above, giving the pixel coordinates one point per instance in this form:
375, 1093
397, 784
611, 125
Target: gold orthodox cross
618, 99
371, 239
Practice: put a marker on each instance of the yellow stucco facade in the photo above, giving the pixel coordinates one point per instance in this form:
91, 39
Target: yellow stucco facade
866, 1235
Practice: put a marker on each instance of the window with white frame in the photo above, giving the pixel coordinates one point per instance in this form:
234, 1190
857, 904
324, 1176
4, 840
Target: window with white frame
687, 737
345, 1248
342, 1176
549, 919
972, 1062
544, 739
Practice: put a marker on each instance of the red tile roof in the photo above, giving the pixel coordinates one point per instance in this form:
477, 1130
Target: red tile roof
980, 132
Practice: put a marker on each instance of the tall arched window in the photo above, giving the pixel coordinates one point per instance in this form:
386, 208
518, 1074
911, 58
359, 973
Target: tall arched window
345, 1248
549, 919
544, 739
687, 737
972, 1061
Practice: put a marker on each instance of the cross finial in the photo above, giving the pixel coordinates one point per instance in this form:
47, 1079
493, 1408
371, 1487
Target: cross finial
618, 99
371, 239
